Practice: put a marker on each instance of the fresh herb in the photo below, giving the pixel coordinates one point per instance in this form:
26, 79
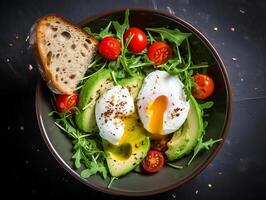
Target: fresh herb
121, 28
174, 166
111, 181
206, 105
87, 150
103, 33
202, 145
175, 36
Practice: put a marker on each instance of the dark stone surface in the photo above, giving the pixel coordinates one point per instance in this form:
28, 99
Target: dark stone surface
238, 171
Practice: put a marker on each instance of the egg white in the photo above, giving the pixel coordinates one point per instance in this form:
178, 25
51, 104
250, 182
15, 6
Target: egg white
160, 83
110, 110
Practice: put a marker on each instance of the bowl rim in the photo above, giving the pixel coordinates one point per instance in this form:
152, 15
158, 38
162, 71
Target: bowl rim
199, 168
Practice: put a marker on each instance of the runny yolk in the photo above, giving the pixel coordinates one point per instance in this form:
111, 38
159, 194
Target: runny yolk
155, 111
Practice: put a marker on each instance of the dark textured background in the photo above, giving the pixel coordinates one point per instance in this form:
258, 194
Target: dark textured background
238, 171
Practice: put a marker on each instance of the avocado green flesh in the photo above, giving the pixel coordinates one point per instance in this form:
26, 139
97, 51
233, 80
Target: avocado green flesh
185, 139
90, 92
120, 163
133, 85
123, 158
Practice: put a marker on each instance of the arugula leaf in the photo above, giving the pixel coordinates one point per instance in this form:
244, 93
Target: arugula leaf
99, 36
120, 29
175, 36
77, 158
94, 168
203, 145
150, 38
206, 105
174, 166
86, 149
111, 181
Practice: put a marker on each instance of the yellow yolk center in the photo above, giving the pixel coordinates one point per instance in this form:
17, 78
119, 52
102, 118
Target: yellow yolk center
155, 111
129, 141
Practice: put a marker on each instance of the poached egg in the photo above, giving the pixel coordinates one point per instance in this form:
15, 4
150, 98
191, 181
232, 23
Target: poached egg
162, 104
113, 110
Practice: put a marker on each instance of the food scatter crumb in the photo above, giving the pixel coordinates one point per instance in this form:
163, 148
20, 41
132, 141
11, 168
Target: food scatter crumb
22, 128
241, 79
215, 28
174, 196
30, 67
220, 173
8, 127
10, 44
27, 38
26, 161
45, 169
7, 60
232, 29
234, 59
17, 37
196, 192
242, 11
209, 185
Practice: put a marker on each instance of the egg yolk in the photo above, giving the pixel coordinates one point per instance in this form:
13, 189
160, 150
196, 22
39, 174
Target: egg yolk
132, 132
155, 111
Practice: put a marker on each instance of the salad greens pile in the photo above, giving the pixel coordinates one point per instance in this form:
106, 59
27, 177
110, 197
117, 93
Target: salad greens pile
87, 147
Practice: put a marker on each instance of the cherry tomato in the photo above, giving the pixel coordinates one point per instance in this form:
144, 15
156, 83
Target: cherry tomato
138, 41
159, 52
204, 86
160, 144
109, 48
66, 102
153, 162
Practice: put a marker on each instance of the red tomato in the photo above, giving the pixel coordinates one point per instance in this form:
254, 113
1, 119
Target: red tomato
138, 41
66, 102
109, 48
160, 144
159, 52
204, 86
153, 162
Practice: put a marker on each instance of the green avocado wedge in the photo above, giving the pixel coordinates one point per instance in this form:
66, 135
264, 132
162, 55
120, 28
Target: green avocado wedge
123, 158
133, 85
95, 86
134, 145
185, 139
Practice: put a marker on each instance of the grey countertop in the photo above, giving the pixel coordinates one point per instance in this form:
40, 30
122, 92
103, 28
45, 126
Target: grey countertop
236, 28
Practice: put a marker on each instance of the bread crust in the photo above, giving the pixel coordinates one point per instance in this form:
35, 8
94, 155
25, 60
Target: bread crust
40, 53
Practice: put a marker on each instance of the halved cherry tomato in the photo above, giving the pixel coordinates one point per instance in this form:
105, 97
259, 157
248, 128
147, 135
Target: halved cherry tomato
109, 48
159, 52
66, 102
204, 86
138, 41
153, 162
160, 144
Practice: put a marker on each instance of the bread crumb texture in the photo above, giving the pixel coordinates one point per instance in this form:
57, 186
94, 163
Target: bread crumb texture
67, 52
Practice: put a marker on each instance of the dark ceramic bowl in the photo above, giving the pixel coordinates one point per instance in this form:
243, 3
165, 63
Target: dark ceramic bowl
135, 184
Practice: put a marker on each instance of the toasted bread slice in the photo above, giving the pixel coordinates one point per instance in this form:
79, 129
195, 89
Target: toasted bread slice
64, 51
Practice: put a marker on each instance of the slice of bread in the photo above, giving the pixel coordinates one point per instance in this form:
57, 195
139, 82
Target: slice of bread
64, 51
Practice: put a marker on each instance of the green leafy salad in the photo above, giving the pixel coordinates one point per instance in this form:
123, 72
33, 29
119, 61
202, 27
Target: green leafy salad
141, 104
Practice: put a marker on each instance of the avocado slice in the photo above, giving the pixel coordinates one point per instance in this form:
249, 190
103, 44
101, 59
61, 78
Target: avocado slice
123, 158
133, 85
95, 86
133, 148
185, 139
